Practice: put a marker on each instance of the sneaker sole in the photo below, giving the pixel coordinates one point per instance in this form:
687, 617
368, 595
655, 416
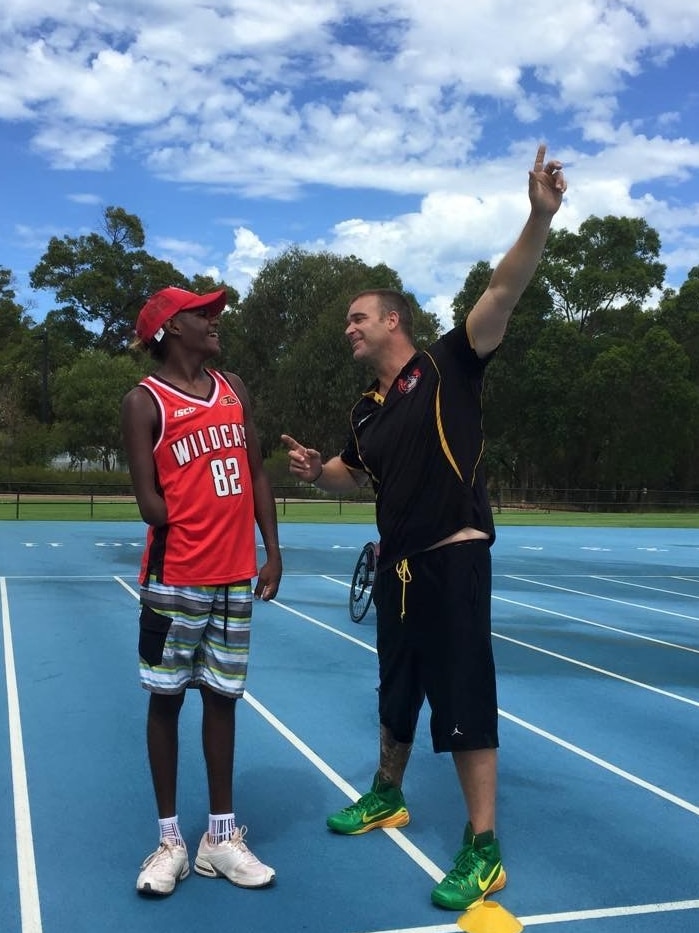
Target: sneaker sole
402, 818
147, 891
207, 870
497, 885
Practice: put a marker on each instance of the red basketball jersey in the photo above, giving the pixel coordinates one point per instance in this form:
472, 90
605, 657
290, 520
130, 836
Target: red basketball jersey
203, 473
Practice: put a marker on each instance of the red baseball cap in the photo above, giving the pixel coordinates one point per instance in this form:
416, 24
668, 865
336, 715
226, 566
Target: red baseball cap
168, 302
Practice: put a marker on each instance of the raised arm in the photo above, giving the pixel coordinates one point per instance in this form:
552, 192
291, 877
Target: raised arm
487, 320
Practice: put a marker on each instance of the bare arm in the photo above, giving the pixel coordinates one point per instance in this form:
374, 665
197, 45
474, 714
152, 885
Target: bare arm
265, 507
139, 420
487, 320
333, 476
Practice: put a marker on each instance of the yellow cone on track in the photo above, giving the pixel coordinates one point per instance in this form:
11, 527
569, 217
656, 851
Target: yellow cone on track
489, 917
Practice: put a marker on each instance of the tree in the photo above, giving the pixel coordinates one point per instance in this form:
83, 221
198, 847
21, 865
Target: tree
102, 280
643, 413
476, 283
609, 261
679, 313
87, 404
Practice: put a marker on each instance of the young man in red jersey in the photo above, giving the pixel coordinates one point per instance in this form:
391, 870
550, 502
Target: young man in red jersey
198, 476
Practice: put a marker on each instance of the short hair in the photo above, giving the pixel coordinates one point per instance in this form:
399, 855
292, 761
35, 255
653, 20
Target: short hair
392, 300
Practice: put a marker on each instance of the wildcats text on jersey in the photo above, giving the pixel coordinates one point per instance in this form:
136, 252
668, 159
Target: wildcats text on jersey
202, 442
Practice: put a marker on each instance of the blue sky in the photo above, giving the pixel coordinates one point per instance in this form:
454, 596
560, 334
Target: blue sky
400, 132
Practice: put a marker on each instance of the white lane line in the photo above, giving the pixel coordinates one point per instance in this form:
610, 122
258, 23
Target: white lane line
30, 908
567, 916
644, 586
396, 835
608, 599
608, 628
602, 763
324, 625
599, 670
129, 589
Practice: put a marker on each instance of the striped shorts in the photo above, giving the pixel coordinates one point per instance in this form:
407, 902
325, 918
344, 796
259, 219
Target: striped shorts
192, 636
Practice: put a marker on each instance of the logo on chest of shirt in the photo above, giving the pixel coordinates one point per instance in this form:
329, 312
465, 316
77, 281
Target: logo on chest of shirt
228, 400
181, 412
407, 384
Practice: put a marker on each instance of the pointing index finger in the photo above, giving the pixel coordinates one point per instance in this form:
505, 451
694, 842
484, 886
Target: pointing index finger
290, 442
540, 156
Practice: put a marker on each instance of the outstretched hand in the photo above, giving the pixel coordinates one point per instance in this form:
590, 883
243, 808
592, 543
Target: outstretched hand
547, 184
304, 462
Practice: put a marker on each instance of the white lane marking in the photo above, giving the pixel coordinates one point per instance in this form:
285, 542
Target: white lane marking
396, 835
566, 916
26, 865
608, 599
599, 670
602, 763
644, 586
609, 628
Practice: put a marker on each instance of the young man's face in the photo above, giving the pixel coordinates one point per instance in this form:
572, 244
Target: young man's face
199, 330
367, 331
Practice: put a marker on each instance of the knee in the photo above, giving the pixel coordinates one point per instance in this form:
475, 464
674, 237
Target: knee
165, 705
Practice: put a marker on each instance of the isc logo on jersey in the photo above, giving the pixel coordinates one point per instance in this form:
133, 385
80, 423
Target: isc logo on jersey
181, 412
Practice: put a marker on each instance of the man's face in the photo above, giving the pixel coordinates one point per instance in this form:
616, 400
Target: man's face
367, 331
199, 330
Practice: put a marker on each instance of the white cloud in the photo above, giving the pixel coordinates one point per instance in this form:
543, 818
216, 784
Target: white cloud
443, 102
84, 198
246, 259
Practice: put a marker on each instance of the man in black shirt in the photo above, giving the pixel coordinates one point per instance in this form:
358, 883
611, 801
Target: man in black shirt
416, 435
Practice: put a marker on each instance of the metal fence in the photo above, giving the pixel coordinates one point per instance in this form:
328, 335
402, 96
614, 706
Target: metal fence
101, 500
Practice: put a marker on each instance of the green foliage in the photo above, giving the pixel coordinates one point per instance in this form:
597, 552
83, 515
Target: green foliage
87, 403
476, 283
643, 412
590, 388
609, 261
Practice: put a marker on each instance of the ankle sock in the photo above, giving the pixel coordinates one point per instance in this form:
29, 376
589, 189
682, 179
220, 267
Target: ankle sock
221, 827
170, 830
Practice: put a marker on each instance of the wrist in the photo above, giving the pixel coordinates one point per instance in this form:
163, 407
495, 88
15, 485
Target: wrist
316, 478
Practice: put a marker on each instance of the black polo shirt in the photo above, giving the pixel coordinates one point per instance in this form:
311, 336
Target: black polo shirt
422, 447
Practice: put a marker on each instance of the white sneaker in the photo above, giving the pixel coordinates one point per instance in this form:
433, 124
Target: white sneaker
233, 860
163, 869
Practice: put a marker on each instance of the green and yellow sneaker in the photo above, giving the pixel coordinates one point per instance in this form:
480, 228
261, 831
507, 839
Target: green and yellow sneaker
477, 871
384, 805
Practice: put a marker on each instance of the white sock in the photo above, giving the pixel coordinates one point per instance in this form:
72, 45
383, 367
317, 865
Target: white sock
170, 830
221, 827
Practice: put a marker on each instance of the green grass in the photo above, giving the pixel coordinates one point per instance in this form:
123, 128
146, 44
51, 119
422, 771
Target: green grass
326, 511
599, 519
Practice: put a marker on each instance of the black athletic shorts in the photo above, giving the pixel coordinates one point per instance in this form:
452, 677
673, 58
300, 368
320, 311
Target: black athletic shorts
434, 641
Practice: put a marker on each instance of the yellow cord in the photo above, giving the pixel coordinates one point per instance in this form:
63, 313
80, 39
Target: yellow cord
404, 575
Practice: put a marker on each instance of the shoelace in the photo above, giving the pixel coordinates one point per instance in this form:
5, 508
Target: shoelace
469, 863
163, 852
367, 801
239, 844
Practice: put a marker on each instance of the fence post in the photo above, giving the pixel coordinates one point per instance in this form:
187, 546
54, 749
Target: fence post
17, 507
